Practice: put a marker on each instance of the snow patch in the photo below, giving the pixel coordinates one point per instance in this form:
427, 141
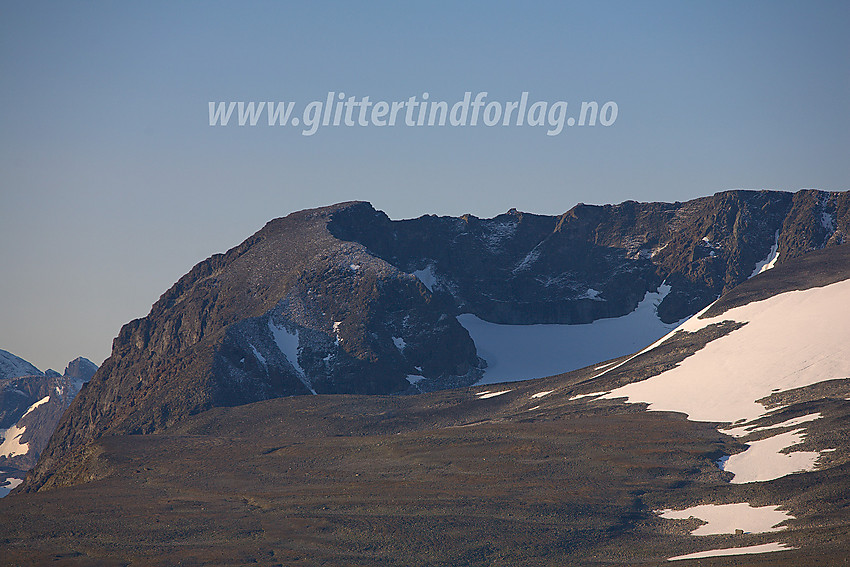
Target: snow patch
10, 484
591, 294
771, 259
40, 402
12, 446
257, 354
744, 430
427, 277
528, 261
520, 352
763, 461
355, 267
287, 343
414, 378
749, 550
726, 518
827, 221
580, 396
722, 381
399, 343
541, 394
489, 394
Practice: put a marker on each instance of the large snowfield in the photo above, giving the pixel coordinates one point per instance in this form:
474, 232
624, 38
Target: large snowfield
521, 352
790, 340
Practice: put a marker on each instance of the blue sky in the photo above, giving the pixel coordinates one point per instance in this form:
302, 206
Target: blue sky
113, 184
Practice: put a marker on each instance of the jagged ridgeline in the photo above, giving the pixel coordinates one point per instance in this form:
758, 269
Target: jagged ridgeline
344, 300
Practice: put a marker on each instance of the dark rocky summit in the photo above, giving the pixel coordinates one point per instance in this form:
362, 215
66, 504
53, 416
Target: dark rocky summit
326, 301
81, 369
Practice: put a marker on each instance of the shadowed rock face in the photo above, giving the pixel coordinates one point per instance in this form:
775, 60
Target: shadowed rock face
325, 300
520, 268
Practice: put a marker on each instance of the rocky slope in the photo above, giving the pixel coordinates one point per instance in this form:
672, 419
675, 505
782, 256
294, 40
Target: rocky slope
344, 300
544, 472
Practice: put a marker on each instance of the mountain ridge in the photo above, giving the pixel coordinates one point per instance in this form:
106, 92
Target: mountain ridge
538, 472
344, 285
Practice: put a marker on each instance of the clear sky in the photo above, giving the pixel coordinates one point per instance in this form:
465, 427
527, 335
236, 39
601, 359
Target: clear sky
113, 184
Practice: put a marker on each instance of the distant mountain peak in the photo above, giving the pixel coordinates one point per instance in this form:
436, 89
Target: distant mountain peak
81, 369
12, 366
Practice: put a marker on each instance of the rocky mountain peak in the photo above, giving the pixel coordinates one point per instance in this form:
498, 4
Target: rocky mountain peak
81, 369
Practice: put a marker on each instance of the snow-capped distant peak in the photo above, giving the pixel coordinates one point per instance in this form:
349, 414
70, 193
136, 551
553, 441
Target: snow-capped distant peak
12, 366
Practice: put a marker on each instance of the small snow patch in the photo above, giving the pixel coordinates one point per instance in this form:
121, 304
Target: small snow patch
10, 484
488, 394
580, 396
771, 259
763, 459
726, 518
527, 262
257, 355
287, 343
828, 222
743, 431
399, 343
591, 294
42, 401
541, 394
749, 550
427, 277
414, 378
